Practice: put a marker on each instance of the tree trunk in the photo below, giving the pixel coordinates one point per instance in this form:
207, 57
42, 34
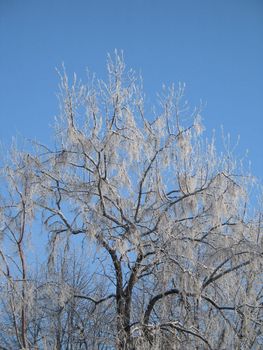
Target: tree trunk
124, 340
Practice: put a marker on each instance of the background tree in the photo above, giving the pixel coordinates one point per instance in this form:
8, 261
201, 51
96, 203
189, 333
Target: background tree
172, 251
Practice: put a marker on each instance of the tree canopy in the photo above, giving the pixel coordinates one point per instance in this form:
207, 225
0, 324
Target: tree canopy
131, 232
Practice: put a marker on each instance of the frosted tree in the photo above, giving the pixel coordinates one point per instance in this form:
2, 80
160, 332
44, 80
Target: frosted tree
174, 250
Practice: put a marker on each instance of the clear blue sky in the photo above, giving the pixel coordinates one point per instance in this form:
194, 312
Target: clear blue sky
214, 46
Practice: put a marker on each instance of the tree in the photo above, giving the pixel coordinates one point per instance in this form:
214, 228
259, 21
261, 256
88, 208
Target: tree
171, 249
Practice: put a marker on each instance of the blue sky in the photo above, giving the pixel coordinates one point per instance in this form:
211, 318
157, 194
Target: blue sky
215, 47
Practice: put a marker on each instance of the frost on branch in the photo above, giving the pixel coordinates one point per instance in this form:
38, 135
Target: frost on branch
170, 245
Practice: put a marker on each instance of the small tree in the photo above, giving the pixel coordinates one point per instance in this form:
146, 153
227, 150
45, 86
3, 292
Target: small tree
167, 220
